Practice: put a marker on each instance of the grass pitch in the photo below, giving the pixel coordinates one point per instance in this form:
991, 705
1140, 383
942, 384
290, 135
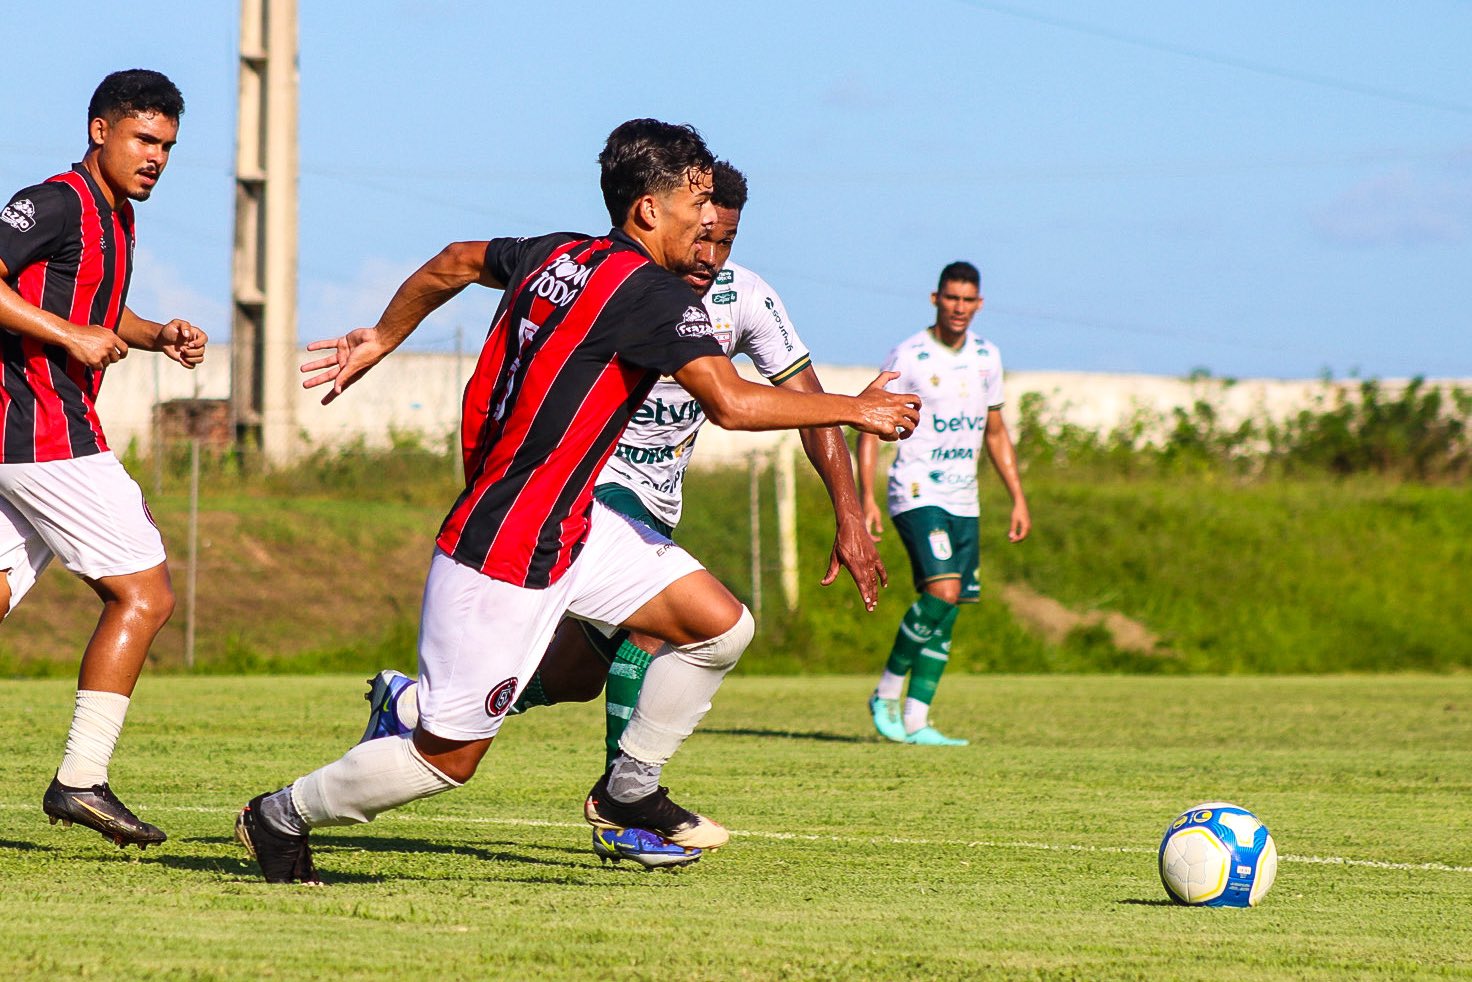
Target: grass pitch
1029, 854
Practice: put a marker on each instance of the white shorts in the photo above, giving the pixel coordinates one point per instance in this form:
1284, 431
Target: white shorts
87, 512
481, 639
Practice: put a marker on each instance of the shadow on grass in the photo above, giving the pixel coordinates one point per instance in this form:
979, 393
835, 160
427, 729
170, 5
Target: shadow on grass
782, 734
25, 846
1136, 902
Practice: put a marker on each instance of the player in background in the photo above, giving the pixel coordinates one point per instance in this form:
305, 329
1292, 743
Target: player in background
585, 328
644, 480
66, 258
932, 495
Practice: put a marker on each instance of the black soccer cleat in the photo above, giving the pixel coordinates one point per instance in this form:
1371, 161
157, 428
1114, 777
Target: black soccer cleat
100, 810
283, 858
655, 812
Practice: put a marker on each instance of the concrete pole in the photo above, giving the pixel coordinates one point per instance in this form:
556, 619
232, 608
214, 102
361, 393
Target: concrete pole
264, 284
785, 473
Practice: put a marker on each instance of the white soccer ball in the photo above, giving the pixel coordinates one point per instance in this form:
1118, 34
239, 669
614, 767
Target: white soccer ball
1217, 855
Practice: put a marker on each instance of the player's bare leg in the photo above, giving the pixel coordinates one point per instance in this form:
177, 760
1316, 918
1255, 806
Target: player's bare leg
135, 607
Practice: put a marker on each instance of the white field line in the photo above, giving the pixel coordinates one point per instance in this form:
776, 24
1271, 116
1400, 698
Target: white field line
868, 839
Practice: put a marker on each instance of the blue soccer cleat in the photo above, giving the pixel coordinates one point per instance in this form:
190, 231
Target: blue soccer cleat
383, 694
643, 847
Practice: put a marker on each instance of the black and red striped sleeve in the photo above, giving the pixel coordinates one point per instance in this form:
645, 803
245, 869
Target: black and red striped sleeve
510, 260
33, 225
666, 326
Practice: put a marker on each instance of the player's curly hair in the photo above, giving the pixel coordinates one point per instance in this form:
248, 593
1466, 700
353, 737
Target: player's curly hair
646, 156
730, 186
134, 92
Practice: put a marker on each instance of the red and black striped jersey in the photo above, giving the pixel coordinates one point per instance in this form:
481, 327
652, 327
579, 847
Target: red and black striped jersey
584, 329
67, 251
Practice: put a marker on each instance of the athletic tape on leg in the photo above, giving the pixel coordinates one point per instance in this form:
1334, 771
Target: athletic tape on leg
678, 689
370, 778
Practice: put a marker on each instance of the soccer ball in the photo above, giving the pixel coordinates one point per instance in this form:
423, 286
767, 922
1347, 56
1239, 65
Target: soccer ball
1217, 855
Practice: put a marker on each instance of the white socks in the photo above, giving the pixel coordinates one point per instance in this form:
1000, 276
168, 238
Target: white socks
96, 723
917, 715
677, 692
368, 779
890, 685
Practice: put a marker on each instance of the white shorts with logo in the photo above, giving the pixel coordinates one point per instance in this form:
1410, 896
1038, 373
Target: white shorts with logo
481, 639
86, 511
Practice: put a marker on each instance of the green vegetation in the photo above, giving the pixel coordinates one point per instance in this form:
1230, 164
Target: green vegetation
1030, 854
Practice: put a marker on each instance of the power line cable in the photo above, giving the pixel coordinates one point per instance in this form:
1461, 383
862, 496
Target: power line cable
1230, 61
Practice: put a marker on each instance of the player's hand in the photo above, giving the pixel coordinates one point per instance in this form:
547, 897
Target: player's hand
93, 346
873, 520
1020, 523
855, 552
888, 415
183, 342
352, 355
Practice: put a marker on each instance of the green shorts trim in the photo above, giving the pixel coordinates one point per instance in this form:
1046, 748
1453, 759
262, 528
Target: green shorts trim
627, 503
941, 546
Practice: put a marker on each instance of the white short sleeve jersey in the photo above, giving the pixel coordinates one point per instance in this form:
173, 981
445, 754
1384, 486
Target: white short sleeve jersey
937, 465
655, 448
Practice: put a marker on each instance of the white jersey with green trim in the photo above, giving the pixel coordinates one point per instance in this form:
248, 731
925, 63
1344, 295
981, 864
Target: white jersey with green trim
937, 464
655, 448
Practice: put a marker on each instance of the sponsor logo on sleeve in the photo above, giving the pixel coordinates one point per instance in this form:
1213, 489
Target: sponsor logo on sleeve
19, 215
777, 318
694, 323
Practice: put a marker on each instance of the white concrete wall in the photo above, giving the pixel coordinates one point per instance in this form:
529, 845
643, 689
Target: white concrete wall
420, 393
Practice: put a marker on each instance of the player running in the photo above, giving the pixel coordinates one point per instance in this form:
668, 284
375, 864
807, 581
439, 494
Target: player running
644, 480
587, 325
932, 495
66, 259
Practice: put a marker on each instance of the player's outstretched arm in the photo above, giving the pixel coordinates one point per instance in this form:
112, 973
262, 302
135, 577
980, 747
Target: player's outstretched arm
1004, 460
733, 403
178, 339
429, 287
93, 346
852, 550
868, 463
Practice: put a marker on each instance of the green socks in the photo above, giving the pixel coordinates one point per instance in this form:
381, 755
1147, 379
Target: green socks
931, 659
920, 623
625, 679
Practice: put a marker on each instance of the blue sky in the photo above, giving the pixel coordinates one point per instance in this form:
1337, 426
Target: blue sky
1261, 190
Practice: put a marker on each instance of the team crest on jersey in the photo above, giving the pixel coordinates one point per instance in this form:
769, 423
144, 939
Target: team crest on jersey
694, 323
940, 544
19, 215
499, 699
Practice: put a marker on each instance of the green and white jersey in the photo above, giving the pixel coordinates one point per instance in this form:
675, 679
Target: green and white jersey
655, 448
937, 464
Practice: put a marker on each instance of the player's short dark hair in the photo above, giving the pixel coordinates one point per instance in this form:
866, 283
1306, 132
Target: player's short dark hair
959, 271
135, 92
730, 189
646, 156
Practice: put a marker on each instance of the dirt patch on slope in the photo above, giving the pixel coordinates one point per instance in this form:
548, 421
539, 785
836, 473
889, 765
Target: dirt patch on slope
1054, 622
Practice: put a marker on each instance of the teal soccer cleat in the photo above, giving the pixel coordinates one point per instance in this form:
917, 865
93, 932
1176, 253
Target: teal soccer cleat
929, 736
383, 694
886, 713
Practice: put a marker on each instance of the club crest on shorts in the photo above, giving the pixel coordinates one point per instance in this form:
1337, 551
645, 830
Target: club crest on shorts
940, 544
500, 698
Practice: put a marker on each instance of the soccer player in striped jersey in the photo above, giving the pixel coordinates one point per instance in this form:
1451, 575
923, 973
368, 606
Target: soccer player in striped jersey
66, 258
585, 328
932, 496
644, 480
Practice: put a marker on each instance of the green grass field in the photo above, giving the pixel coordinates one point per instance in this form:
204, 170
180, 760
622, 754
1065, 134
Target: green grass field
1030, 854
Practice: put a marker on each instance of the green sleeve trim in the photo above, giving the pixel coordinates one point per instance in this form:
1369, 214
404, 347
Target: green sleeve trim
796, 368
